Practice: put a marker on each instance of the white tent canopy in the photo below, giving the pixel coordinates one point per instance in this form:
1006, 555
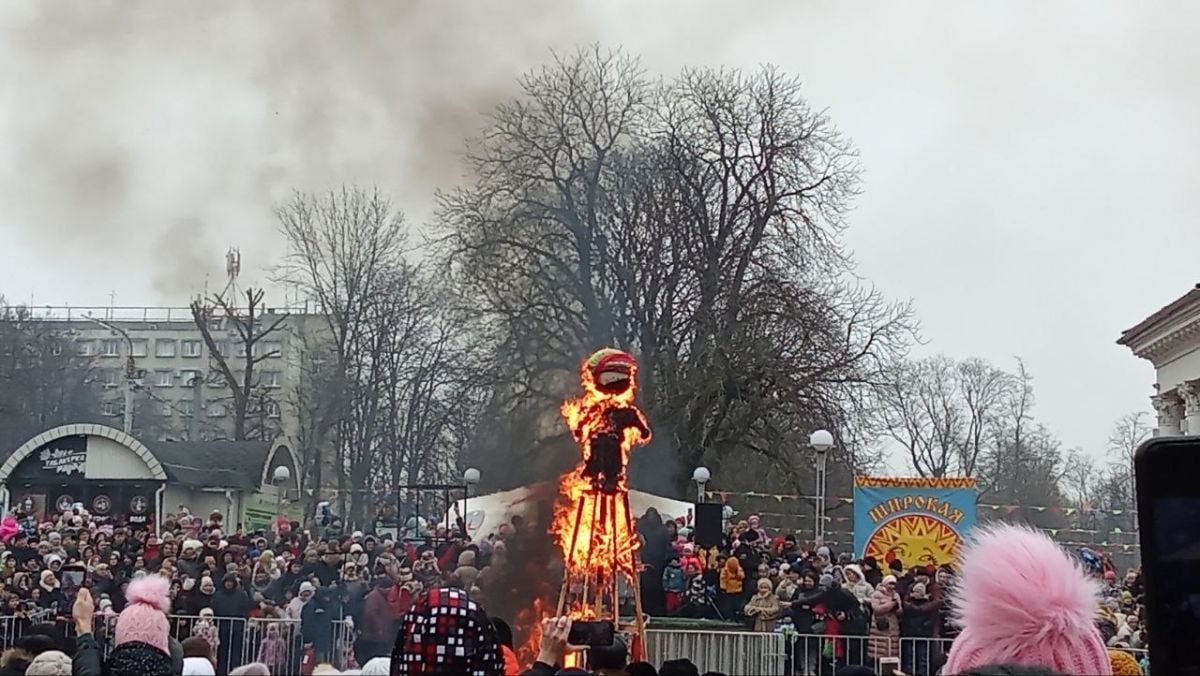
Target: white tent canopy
485, 513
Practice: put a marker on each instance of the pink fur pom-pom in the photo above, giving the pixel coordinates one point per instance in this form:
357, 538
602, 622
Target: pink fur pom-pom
151, 590
1019, 587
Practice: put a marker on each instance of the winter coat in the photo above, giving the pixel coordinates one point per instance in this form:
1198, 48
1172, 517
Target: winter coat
917, 619
673, 578
273, 652
786, 590
379, 621
765, 609
861, 590
803, 609
885, 625
849, 613
231, 602
732, 576
317, 618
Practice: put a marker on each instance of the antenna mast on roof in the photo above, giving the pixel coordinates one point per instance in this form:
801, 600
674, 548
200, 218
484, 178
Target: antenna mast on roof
233, 267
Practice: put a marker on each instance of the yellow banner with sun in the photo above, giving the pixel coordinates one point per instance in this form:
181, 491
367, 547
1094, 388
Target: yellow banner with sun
918, 521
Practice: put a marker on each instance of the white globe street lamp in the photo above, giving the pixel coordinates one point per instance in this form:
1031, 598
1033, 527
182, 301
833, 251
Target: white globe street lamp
280, 477
821, 441
701, 475
471, 476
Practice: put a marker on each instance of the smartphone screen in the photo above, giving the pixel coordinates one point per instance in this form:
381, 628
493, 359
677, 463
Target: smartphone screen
591, 633
1169, 519
888, 666
72, 581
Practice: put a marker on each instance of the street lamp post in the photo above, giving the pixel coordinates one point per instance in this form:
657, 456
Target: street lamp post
821, 441
701, 475
470, 479
130, 369
280, 478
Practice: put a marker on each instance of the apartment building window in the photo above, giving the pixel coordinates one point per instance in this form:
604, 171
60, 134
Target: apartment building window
271, 348
166, 378
241, 350
110, 347
215, 324
86, 348
222, 347
140, 347
270, 378
272, 409
191, 348
111, 378
109, 408
186, 409
216, 409
164, 347
190, 378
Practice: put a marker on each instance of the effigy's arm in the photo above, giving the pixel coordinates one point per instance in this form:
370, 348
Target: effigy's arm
642, 425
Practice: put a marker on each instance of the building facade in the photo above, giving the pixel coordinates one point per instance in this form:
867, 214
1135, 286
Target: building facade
128, 481
1170, 340
178, 392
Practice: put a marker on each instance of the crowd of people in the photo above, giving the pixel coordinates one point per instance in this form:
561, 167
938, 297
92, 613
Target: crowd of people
293, 599
838, 610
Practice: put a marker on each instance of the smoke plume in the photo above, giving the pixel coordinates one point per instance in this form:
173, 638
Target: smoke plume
158, 134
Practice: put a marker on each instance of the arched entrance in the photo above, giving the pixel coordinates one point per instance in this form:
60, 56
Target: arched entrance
110, 473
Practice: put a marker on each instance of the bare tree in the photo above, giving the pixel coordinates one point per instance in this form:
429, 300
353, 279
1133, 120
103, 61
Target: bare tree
945, 413
247, 394
695, 222
44, 381
391, 379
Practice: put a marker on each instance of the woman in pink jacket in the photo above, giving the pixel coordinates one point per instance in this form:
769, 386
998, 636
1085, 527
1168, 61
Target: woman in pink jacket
885, 625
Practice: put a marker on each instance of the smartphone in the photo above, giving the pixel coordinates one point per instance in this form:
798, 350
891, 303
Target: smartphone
73, 577
1168, 500
889, 666
591, 633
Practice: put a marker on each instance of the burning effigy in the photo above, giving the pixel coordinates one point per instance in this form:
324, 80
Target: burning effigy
593, 524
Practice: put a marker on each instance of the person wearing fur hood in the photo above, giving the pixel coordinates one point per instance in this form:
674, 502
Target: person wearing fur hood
885, 627
856, 583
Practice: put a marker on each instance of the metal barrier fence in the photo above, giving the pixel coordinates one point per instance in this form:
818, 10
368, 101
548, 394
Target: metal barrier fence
13, 627
737, 653
279, 643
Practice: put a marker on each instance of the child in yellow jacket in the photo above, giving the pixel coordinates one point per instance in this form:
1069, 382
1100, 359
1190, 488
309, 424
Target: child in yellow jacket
732, 577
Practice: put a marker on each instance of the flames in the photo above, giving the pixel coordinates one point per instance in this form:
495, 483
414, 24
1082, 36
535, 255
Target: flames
594, 529
531, 617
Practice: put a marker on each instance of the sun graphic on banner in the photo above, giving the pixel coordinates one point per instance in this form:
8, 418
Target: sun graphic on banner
915, 539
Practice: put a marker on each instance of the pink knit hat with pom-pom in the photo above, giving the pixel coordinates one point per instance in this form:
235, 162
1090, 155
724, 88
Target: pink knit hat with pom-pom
145, 616
1021, 599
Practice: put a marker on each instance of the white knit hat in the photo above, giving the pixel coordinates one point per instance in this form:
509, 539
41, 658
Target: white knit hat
50, 663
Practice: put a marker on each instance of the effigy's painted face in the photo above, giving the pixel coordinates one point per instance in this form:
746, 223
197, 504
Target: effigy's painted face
611, 372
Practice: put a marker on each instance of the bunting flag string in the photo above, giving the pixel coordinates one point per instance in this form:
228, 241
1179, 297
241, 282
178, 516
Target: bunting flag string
1008, 509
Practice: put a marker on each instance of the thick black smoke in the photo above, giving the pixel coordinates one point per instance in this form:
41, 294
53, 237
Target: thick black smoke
158, 134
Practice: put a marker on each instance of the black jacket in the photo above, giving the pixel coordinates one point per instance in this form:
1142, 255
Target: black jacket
231, 603
917, 620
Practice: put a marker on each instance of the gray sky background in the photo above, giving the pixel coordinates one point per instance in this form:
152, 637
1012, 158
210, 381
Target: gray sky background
1031, 167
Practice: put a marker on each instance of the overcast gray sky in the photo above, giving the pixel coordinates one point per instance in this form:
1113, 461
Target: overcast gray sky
1031, 167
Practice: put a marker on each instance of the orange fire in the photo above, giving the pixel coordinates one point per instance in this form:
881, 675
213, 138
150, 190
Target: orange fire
532, 618
592, 524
